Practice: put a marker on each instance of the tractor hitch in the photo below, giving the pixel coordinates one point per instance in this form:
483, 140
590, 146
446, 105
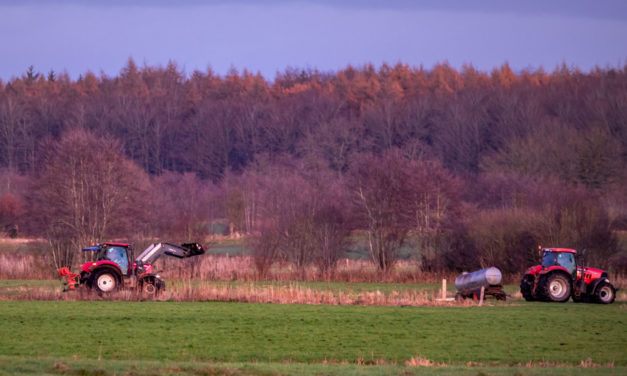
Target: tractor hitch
71, 279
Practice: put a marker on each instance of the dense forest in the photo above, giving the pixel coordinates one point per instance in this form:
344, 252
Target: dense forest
459, 169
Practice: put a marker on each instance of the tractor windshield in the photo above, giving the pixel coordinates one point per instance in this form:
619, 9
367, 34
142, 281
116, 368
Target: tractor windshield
118, 255
567, 261
548, 259
564, 259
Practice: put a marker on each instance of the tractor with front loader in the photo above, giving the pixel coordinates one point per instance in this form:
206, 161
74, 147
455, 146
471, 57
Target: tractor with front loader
113, 267
559, 278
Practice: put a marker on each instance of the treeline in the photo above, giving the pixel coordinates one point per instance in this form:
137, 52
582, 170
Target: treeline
464, 168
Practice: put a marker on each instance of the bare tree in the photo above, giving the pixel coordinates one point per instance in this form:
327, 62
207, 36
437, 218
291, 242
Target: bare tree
85, 192
181, 206
15, 130
330, 230
383, 204
265, 248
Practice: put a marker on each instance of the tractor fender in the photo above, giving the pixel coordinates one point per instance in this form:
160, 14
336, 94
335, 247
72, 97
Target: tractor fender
592, 288
560, 270
151, 279
108, 266
554, 268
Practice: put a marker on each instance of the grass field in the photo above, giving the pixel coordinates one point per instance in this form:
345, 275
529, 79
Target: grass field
110, 337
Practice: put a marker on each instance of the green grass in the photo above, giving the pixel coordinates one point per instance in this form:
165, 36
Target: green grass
269, 333
15, 283
148, 338
13, 287
231, 249
10, 246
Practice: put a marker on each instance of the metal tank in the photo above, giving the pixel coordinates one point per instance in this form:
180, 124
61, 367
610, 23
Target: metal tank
478, 279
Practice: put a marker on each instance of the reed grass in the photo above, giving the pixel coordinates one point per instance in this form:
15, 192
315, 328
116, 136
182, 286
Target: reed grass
249, 292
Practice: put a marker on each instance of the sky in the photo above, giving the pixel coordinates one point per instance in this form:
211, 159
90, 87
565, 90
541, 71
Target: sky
100, 36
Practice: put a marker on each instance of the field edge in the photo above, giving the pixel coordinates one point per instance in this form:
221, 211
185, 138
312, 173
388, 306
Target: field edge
20, 365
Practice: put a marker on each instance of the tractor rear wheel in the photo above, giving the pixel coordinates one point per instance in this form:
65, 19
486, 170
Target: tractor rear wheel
555, 287
526, 287
605, 293
104, 281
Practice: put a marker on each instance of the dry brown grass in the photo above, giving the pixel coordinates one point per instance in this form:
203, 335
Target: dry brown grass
25, 266
619, 280
217, 267
588, 363
249, 293
212, 267
294, 294
420, 361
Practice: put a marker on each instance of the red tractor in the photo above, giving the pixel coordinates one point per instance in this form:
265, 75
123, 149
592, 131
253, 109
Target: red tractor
559, 278
113, 267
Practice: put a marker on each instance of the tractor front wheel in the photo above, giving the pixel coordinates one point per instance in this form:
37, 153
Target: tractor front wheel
151, 287
104, 281
555, 287
605, 293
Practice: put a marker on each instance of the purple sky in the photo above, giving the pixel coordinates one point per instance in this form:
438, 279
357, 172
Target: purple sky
269, 36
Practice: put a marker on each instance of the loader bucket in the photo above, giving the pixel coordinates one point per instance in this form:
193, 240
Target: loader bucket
194, 249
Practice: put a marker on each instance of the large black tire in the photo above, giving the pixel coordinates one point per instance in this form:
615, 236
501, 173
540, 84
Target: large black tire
526, 287
104, 281
605, 293
555, 287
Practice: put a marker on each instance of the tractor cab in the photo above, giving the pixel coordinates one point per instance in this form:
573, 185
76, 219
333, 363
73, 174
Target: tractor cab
560, 257
118, 253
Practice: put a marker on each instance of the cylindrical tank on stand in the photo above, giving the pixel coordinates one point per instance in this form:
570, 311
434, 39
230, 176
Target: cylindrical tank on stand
475, 280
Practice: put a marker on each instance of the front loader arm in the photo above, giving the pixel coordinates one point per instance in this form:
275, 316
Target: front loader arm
151, 254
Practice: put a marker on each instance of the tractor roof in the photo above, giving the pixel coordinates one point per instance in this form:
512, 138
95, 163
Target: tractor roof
559, 250
117, 244
98, 246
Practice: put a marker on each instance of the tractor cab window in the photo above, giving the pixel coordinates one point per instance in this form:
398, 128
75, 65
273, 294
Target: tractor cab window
118, 255
548, 259
567, 261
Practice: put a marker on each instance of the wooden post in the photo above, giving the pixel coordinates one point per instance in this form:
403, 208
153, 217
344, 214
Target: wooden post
481, 296
444, 289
